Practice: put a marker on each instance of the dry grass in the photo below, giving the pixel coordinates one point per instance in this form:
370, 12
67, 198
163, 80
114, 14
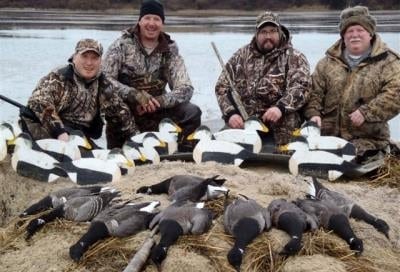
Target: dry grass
388, 174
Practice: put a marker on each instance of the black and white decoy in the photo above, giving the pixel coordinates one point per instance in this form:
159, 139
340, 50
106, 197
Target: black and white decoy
77, 209
175, 221
291, 219
6, 136
181, 187
347, 206
59, 197
115, 221
244, 219
330, 217
168, 132
32, 163
247, 137
209, 149
87, 171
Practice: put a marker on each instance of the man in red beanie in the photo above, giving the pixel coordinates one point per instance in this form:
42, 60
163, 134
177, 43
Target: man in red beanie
141, 63
356, 86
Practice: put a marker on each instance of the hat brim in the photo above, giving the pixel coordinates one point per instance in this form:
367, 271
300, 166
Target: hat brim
267, 22
87, 50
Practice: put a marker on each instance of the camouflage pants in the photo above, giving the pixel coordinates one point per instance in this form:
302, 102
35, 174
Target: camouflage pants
36, 130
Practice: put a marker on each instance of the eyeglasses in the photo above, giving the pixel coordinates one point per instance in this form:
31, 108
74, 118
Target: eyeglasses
270, 32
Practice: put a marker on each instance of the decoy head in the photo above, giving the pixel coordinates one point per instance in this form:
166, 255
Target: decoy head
120, 159
131, 150
357, 245
169, 126
253, 123
235, 257
202, 132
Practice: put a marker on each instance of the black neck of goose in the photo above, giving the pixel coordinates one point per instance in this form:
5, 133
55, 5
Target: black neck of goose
161, 188
97, 231
170, 231
245, 231
149, 217
360, 214
42, 205
291, 223
57, 212
341, 226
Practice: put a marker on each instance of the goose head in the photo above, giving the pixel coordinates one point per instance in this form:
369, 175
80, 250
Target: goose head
235, 257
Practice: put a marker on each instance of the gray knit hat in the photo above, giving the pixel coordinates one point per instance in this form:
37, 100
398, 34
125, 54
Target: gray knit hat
358, 15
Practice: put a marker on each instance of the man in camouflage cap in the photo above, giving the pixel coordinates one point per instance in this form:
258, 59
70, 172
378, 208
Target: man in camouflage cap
73, 97
141, 63
271, 77
356, 86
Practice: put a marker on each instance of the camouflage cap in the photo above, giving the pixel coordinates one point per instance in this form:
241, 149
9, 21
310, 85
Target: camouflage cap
267, 17
86, 45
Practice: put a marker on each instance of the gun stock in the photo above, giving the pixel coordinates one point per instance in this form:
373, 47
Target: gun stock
235, 95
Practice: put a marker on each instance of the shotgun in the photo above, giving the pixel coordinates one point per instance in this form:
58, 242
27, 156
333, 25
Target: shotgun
23, 110
235, 95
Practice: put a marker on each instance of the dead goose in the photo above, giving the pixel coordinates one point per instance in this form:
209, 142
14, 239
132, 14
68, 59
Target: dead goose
78, 209
175, 221
118, 221
178, 186
291, 219
244, 219
209, 149
347, 206
59, 197
247, 137
330, 217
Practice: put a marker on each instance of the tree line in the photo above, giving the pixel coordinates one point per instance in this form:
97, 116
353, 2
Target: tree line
203, 4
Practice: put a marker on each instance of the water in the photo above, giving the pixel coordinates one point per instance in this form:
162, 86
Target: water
26, 55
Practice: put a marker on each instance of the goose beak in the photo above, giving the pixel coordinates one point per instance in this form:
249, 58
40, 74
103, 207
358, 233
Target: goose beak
296, 132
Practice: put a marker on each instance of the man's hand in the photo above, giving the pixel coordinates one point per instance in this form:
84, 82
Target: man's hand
236, 121
272, 114
316, 119
357, 118
63, 137
139, 97
152, 106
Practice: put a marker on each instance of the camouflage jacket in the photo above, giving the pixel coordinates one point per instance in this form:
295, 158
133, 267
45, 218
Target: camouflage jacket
132, 70
373, 87
62, 97
280, 78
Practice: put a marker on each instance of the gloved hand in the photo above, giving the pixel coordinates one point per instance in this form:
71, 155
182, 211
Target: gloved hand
139, 97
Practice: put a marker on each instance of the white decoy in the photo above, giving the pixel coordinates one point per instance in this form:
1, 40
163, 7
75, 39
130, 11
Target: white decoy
167, 132
208, 149
55, 199
115, 221
247, 137
33, 163
320, 164
148, 147
65, 151
87, 171
312, 133
6, 136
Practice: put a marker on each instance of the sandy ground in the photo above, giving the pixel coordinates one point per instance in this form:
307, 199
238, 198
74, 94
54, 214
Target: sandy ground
48, 250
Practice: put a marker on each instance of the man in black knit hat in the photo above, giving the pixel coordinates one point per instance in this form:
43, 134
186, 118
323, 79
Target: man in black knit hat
141, 63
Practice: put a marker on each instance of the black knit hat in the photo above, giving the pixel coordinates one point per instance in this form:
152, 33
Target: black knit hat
152, 7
